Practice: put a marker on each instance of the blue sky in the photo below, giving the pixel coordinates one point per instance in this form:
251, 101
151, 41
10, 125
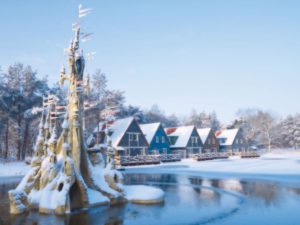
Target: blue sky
182, 55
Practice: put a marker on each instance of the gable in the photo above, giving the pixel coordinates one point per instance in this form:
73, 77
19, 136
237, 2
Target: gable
118, 129
133, 128
149, 130
160, 132
211, 136
199, 142
239, 136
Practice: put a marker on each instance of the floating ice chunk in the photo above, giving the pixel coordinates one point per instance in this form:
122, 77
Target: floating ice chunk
142, 194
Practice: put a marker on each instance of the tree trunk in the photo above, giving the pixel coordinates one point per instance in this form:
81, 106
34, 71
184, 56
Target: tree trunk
19, 155
269, 143
25, 139
6, 139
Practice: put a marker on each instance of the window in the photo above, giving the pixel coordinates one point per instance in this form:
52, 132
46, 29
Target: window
163, 140
213, 141
208, 141
137, 137
134, 137
241, 141
194, 140
164, 151
130, 137
157, 139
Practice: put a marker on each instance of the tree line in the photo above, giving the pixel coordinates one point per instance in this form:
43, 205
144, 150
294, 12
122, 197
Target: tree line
21, 97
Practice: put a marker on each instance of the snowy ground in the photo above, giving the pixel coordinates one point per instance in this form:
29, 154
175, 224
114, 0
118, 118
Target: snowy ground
10, 169
279, 165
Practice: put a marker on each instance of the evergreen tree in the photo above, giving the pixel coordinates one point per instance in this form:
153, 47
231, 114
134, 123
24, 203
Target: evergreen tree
21, 91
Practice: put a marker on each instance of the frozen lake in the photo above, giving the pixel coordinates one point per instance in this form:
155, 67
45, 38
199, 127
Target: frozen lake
189, 200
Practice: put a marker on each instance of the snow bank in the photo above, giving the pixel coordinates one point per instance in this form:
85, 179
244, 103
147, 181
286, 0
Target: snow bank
143, 194
96, 198
282, 166
10, 169
98, 173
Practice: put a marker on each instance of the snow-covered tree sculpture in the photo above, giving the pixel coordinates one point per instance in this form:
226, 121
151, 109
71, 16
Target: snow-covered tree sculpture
64, 173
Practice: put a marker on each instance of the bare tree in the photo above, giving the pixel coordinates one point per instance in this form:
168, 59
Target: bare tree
259, 127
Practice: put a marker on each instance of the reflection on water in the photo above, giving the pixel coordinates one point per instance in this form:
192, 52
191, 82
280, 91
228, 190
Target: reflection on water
188, 200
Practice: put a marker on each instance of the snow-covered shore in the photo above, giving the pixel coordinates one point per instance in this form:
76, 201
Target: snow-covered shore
283, 166
13, 169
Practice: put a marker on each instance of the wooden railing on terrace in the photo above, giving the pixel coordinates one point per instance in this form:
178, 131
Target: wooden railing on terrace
146, 159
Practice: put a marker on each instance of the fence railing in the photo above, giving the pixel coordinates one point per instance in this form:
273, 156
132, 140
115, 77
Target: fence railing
224, 155
170, 158
249, 154
211, 156
146, 159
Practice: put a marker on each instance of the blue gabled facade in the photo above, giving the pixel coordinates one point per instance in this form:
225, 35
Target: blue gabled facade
158, 140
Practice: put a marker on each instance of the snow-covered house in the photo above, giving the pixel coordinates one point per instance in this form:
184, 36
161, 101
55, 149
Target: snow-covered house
209, 140
231, 140
158, 140
184, 140
126, 137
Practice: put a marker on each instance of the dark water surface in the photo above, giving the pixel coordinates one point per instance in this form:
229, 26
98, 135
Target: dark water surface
188, 200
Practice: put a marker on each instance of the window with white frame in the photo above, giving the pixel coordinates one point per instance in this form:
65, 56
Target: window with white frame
134, 137
163, 140
194, 140
130, 137
213, 141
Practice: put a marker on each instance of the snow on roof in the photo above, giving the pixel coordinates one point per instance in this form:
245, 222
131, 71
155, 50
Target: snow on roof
183, 133
149, 130
229, 136
118, 129
203, 133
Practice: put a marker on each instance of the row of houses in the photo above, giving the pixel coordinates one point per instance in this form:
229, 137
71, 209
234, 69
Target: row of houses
129, 138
